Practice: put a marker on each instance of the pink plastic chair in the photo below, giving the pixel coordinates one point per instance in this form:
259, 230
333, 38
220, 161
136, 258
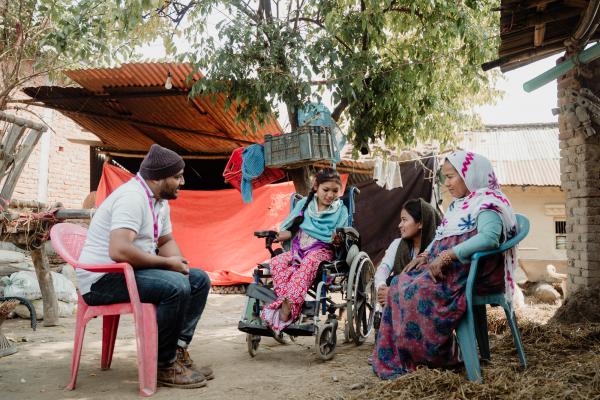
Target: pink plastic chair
68, 240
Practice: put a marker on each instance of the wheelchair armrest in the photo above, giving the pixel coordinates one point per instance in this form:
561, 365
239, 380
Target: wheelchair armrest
348, 230
265, 234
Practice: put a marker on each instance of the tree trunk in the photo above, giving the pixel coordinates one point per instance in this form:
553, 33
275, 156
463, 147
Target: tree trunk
42, 270
301, 178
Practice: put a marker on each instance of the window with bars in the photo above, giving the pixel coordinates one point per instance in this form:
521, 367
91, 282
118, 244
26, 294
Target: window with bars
560, 232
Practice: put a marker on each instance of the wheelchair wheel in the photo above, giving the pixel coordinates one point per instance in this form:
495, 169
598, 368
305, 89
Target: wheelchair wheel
252, 341
326, 341
362, 297
279, 338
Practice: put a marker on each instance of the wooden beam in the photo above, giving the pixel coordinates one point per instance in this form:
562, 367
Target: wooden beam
87, 142
19, 163
523, 4
83, 213
540, 29
531, 19
555, 42
22, 122
185, 157
538, 35
8, 147
576, 3
539, 18
523, 55
43, 96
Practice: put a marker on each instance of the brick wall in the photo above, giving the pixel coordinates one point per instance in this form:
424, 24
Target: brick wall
580, 177
68, 164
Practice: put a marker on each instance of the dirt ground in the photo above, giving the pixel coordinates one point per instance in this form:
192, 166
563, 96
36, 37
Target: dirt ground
40, 370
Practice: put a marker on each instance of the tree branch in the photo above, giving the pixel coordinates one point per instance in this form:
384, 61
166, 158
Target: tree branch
404, 10
339, 109
365, 35
320, 24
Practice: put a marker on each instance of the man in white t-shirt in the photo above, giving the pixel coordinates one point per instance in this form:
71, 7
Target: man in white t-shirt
133, 225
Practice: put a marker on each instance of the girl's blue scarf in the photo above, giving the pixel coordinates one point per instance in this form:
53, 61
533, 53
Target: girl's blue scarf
319, 224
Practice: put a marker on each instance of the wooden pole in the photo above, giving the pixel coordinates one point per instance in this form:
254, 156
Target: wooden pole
83, 213
42, 270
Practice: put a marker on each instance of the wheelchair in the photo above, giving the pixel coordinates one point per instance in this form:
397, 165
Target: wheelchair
351, 274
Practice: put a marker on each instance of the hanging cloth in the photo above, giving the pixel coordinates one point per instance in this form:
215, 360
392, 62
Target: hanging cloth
253, 165
387, 174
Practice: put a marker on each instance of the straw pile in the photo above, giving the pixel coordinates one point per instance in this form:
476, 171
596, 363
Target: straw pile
6, 307
582, 305
563, 362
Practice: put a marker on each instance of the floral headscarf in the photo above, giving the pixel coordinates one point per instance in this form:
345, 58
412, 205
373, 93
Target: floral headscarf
461, 217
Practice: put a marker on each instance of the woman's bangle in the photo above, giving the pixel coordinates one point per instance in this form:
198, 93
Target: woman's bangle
423, 255
445, 257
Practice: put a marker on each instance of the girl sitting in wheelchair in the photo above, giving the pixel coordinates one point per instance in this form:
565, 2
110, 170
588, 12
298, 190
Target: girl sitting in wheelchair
311, 225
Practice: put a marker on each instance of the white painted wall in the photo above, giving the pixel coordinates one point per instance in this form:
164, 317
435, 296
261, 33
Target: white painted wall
538, 204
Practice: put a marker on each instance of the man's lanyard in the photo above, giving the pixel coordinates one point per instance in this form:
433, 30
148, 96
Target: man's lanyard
154, 216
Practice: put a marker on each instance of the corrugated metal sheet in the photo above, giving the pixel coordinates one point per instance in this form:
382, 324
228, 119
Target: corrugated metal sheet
138, 75
522, 155
128, 108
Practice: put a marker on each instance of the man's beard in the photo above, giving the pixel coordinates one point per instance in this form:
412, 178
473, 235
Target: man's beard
168, 195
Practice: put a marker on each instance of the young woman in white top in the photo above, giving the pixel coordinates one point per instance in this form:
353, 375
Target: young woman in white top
418, 222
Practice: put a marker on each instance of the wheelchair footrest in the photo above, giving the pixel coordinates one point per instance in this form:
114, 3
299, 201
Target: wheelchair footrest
300, 330
257, 328
254, 328
261, 293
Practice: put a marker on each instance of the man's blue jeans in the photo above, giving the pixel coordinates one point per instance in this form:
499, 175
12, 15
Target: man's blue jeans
180, 300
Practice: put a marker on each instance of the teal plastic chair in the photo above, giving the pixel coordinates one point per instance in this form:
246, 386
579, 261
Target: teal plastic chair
473, 328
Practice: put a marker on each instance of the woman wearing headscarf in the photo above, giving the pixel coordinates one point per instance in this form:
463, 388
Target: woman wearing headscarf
426, 302
418, 222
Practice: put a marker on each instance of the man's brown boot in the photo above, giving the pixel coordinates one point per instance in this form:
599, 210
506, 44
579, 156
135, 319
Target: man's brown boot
179, 376
184, 358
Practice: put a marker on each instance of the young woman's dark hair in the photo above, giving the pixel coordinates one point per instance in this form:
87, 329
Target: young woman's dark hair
413, 207
323, 176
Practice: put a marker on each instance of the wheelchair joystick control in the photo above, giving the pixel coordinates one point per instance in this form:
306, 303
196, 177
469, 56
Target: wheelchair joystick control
270, 237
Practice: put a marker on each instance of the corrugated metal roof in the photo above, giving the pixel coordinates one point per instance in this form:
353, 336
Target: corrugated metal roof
128, 108
522, 155
138, 75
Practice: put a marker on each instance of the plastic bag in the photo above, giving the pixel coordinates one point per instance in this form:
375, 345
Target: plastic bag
64, 309
25, 284
11, 257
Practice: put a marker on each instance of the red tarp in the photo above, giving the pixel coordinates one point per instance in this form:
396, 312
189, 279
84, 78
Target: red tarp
214, 229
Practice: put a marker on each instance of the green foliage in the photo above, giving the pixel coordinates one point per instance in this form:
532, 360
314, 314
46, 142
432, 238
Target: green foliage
400, 70
40, 37
397, 70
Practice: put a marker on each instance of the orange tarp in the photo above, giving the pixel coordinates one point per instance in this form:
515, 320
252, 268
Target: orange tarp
214, 229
